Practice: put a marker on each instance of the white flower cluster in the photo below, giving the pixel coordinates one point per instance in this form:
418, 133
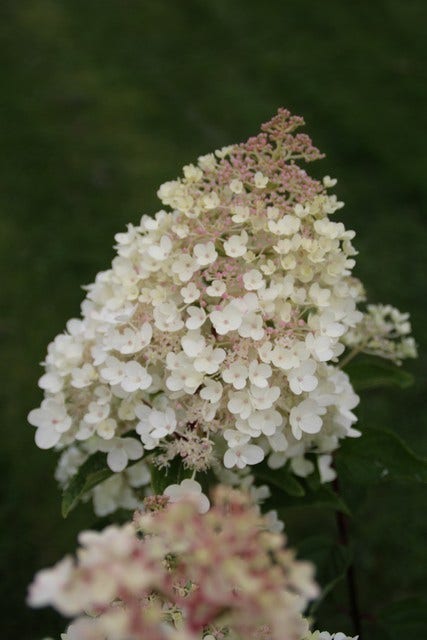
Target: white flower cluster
76, 630
216, 332
325, 635
190, 490
383, 331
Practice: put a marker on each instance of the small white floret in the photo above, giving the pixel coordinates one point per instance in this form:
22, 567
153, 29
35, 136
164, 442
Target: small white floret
188, 490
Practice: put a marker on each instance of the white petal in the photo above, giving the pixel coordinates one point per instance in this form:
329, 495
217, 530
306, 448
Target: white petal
37, 417
46, 437
173, 492
278, 441
51, 382
191, 486
309, 383
203, 503
133, 448
253, 454
142, 412
132, 384
117, 459
311, 423
229, 459
296, 431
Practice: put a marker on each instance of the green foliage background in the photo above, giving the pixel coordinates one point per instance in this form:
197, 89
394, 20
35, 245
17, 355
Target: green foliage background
102, 100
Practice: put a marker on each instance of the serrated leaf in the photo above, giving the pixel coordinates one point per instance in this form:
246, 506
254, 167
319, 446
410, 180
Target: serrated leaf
322, 497
331, 561
374, 373
377, 455
90, 474
281, 478
175, 473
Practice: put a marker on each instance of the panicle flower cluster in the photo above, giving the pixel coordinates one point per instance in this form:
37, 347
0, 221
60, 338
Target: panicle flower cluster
383, 331
85, 630
176, 574
215, 334
325, 635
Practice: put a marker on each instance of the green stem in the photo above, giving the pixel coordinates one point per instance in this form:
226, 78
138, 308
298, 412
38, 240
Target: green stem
352, 354
344, 538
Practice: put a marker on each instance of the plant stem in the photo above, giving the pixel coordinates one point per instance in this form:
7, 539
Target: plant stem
352, 354
344, 538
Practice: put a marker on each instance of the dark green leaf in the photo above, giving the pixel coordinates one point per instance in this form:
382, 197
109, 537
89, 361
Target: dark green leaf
331, 561
373, 373
175, 473
377, 455
322, 497
91, 473
208, 480
405, 619
281, 478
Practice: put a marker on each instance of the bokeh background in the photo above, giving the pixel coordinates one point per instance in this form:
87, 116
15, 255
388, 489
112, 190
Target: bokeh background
103, 100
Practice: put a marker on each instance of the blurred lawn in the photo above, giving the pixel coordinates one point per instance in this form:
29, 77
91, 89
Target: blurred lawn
101, 102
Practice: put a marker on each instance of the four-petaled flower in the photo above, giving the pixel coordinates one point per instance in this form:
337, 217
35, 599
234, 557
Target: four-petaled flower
188, 490
120, 451
51, 420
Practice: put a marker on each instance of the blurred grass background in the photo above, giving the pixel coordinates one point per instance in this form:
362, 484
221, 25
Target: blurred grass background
102, 101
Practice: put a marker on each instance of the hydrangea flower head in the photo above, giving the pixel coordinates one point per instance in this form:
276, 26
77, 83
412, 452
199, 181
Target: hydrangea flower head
214, 337
188, 576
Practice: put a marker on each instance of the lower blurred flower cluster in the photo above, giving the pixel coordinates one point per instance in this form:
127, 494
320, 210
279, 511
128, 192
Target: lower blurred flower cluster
177, 574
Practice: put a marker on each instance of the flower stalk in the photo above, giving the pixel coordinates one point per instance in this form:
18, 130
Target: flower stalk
352, 590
